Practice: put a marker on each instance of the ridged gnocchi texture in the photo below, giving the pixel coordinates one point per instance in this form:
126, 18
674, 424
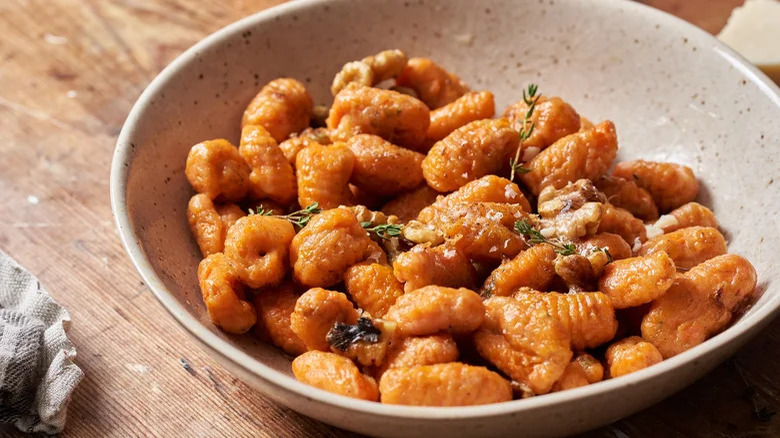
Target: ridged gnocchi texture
699, 304
448, 384
370, 70
671, 185
631, 354
432, 309
396, 117
533, 268
383, 168
224, 296
334, 373
434, 85
407, 205
638, 280
586, 154
323, 174
206, 225
328, 245
581, 371
420, 350
441, 265
626, 194
468, 153
272, 175
283, 106
216, 169
275, 306
302, 140
553, 119
474, 105
258, 247
616, 220
373, 287
691, 214
688, 246
490, 188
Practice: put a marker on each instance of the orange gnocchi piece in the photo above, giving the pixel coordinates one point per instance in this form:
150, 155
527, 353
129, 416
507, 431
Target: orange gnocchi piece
691, 214
489, 188
304, 139
407, 205
420, 350
206, 225
370, 70
699, 304
441, 265
272, 175
434, 85
323, 174
638, 280
315, 313
216, 169
274, 308
617, 246
283, 106
553, 119
620, 221
474, 105
223, 295
328, 245
671, 185
447, 384
688, 246
581, 371
586, 154
334, 373
258, 246
533, 268
468, 153
626, 194
373, 287
229, 214
383, 168
526, 343
432, 309
631, 354
396, 117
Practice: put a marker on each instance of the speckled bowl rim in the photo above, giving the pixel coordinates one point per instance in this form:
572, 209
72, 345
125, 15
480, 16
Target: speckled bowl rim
118, 180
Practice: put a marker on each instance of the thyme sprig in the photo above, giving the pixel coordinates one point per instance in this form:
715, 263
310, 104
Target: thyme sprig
534, 237
530, 97
300, 217
605, 251
384, 231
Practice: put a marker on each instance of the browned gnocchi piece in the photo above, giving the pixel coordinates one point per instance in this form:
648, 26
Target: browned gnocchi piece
396, 117
626, 194
272, 175
699, 304
687, 246
223, 295
533, 268
383, 168
323, 174
581, 371
691, 214
631, 354
216, 169
671, 185
474, 105
586, 154
446, 384
553, 119
489, 188
407, 205
588, 317
328, 245
283, 106
257, 246
441, 265
434, 85
470, 152
527, 343
275, 306
206, 225
616, 220
334, 373
373, 287
315, 313
432, 309
420, 350
370, 70
638, 280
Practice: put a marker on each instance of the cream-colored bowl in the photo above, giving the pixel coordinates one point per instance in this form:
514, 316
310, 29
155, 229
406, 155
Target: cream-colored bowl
673, 91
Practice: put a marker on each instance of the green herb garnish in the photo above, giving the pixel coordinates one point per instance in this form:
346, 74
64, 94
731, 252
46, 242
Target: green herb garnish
384, 231
299, 218
530, 98
534, 237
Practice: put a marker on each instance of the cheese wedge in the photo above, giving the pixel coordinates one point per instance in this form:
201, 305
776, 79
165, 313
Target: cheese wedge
753, 30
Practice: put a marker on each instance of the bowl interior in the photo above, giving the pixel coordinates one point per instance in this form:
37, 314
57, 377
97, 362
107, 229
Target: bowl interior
672, 91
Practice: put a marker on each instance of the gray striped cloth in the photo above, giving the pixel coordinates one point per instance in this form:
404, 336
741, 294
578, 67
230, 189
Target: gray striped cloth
37, 373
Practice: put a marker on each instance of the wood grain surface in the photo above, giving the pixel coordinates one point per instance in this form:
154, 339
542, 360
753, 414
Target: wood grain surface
69, 72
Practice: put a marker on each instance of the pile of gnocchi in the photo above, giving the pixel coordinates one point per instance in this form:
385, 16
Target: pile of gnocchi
406, 246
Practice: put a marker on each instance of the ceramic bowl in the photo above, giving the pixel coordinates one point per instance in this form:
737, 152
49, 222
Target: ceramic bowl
673, 91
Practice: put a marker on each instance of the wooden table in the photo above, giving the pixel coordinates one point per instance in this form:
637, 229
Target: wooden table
69, 72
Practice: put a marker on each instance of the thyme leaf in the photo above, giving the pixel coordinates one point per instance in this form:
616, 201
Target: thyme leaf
530, 97
300, 217
384, 231
534, 237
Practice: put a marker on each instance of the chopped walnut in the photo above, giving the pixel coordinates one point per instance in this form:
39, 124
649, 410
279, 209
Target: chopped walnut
418, 232
570, 212
370, 70
577, 271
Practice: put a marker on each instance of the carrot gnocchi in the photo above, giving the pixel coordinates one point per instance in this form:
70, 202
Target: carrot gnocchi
408, 245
